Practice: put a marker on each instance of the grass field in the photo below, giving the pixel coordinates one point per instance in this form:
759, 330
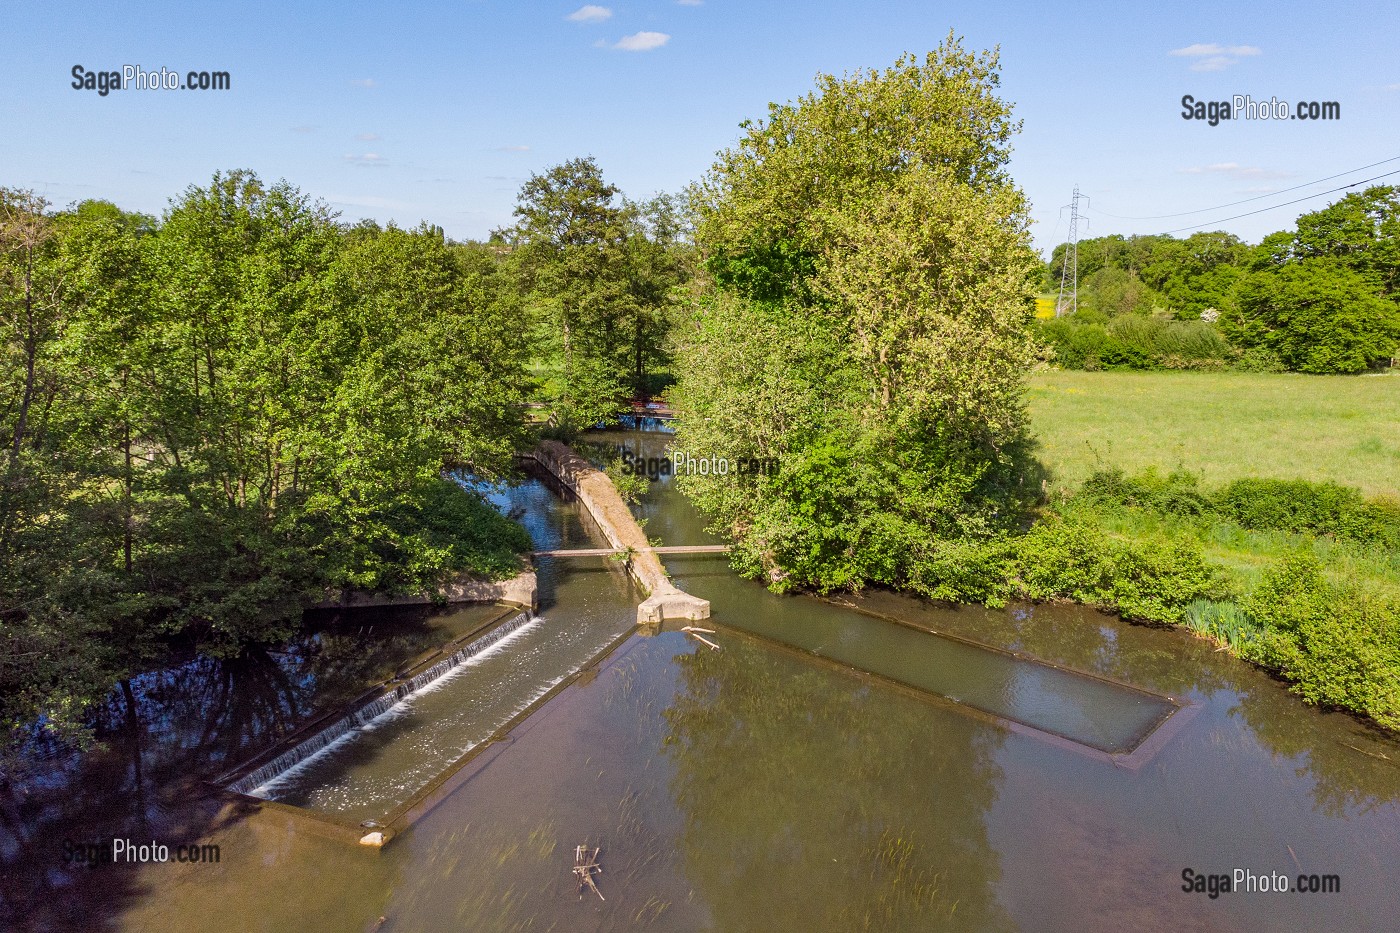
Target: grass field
1221, 426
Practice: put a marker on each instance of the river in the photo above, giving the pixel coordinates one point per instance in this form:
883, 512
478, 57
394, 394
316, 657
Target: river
757, 787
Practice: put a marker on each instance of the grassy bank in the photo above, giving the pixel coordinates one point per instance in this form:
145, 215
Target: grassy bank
1221, 426
1306, 576
1301, 578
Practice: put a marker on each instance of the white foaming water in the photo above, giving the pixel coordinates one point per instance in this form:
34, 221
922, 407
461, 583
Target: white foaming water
380, 767
267, 779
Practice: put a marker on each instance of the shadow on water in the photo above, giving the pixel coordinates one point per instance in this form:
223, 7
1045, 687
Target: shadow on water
159, 735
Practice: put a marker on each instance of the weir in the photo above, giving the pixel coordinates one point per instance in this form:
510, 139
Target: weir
399, 751
1103, 718
262, 775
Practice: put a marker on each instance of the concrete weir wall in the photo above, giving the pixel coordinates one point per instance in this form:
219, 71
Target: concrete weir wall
520, 590
598, 495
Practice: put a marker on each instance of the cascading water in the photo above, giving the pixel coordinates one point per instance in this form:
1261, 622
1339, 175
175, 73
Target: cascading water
385, 705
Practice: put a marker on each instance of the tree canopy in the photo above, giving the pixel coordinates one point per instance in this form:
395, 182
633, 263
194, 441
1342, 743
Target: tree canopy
596, 272
212, 419
866, 324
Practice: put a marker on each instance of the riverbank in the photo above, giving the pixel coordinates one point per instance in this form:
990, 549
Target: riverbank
751, 782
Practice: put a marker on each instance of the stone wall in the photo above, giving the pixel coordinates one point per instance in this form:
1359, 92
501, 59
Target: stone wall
521, 590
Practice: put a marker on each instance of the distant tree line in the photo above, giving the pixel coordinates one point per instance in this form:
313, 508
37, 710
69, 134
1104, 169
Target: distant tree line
1322, 298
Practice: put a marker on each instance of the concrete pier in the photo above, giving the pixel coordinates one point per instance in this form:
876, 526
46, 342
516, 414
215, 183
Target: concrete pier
597, 493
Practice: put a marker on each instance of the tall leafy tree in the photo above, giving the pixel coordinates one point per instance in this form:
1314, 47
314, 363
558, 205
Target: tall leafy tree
869, 327
569, 250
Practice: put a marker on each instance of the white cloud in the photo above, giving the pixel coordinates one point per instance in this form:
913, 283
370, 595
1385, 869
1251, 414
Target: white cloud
368, 137
590, 13
690, 2
369, 158
1234, 170
642, 41
370, 201
1391, 87
1212, 56
363, 82
1202, 49
1213, 63
512, 149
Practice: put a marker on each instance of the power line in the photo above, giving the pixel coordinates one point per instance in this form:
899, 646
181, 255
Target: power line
1261, 210
1221, 207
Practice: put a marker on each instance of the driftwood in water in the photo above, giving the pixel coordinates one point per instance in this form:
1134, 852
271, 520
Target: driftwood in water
694, 633
585, 867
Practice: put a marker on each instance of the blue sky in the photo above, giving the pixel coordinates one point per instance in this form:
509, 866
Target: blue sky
439, 111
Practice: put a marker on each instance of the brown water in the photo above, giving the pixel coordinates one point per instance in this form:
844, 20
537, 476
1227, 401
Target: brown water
754, 789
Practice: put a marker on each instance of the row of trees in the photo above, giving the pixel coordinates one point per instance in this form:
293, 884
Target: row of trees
1322, 298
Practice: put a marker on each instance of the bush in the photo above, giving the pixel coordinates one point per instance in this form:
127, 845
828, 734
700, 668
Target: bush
1294, 506
1066, 558
1259, 360
1339, 644
1177, 493
1134, 341
1190, 340
1077, 345
1303, 507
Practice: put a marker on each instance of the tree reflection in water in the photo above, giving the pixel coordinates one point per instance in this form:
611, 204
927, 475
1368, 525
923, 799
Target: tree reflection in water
814, 801
158, 735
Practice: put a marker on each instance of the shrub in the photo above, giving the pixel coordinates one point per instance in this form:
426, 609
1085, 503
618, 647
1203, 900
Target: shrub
1191, 340
1076, 345
1067, 558
1304, 507
1134, 341
1259, 360
1338, 643
1294, 506
1177, 493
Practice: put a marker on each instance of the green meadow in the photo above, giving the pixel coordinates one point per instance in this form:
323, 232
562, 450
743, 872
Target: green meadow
1220, 426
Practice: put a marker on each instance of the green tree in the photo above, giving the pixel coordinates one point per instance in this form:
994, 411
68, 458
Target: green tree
1317, 314
569, 244
1361, 230
659, 262
213, 418
869, 327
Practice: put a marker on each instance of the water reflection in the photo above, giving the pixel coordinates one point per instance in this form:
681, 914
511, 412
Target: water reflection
814, 802
734, 790
163, 732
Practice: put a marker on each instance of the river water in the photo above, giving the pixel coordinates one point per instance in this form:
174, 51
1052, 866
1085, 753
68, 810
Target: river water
758, 787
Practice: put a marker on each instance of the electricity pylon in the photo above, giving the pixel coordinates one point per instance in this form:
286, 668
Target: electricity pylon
1070, 260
